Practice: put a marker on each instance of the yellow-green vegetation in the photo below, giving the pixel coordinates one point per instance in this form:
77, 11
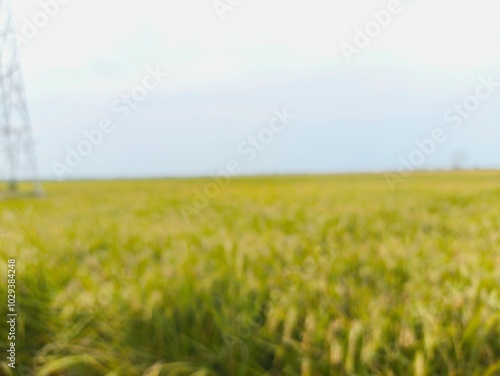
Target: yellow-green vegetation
333, 275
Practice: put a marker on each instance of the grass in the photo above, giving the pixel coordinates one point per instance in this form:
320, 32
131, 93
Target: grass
330, 275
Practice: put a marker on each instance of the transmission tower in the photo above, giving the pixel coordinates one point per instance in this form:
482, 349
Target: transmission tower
17, 152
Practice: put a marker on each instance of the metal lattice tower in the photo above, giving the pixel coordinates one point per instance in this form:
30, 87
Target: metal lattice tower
17, 152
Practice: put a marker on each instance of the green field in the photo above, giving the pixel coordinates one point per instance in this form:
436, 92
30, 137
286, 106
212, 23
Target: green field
331, 275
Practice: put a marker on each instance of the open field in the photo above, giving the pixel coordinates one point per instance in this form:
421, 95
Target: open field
303, 276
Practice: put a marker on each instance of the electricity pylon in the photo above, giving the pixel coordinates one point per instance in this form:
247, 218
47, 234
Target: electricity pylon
17, 151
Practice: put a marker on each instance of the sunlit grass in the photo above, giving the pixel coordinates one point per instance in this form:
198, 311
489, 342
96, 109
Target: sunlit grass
277, 276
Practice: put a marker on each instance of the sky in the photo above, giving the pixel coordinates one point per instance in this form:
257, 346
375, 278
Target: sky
366, 85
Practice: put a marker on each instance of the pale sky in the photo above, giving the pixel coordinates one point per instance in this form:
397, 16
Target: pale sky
228, 76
